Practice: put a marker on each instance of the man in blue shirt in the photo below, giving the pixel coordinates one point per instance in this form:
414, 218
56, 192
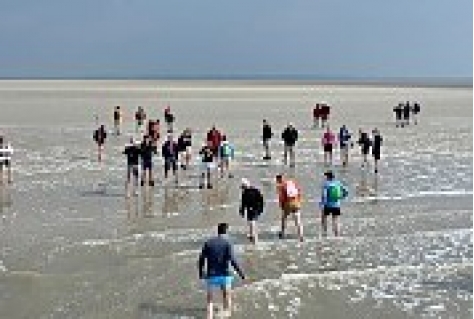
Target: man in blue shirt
332, 193
218, 255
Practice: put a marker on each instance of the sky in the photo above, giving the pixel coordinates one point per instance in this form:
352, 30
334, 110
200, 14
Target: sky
245, 38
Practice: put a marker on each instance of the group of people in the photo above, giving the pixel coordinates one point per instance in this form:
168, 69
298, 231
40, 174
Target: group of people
321, 113
217, 254
405, 111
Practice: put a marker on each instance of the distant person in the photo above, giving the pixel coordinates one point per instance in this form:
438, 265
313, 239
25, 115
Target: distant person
398, 110
289, 197
332, 193
132, 152
316, 115
406, 113
153, 131
169, 151
100, 135
267, 135
207, 158
289, 137
365, 143
376, 148
214, 139
185, 148
117, 120
169, 119
252, 206
147, 150
140, 117
344, 144
217, 256
328, 140
226, 155
325, 112
6, 152
416, 110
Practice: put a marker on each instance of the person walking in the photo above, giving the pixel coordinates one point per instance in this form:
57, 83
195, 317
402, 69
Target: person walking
416, 110
316, 115
333, 191
226, 155
207, 158
217, 255
185, 148
6, 152
344, 144
267, 135
169, 151
376, 148
117, 120
251, 205
328, 140
132, 152
289, 197
140, 117
147, 150
365, 144
99, 136
289, 137
169, 119
406, 113
398, 110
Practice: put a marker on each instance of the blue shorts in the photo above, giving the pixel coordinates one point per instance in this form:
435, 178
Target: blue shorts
219, 281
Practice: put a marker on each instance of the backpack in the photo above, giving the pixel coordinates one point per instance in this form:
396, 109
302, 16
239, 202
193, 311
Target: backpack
226, 150
334, 193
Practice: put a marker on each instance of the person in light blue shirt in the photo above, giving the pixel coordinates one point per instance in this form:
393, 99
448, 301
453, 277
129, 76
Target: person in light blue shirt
333, 192
226, 155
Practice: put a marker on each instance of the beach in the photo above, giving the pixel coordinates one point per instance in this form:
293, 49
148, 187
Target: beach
72, 245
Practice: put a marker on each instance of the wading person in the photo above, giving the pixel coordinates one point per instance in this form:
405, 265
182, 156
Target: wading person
252, 206
132, 152
328, 140
117, 120
217, 256
6, 152
344, 144
140, 117
226, 155
289, 197
398, 110
169, 151
100, 135
289, 137
364, 143
332, 193
147, 150
267, 135
376, 148
207, 159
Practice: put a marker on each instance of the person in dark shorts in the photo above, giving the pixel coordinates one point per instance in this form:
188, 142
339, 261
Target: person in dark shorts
207, 159
333, 192
185, 148
251, 203
325, 112
153, 131
365, 143
267, 135
214, 140
140, 117
416, 110
117, 120
147, 150
406, 113
376, 148
344, 144
217, 255
398, 110
289, 137
169, 151
169, 119
6, 152
100, 135
316, 115
132, 152
328, 140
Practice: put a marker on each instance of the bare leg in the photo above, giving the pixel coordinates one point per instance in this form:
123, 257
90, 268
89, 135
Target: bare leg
299, 225
335, 225
1, 174
292, 156
210, 305
285, 154
284, 215
227, 298
324, 224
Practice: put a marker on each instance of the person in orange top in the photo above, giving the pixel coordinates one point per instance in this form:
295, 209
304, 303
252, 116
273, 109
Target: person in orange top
289, 197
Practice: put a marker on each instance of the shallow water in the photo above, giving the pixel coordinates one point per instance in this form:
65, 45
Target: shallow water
71, 245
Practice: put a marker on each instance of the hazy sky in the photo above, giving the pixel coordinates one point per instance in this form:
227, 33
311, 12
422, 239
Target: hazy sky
325, 38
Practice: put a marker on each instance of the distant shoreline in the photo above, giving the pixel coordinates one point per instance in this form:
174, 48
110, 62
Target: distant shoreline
224, 81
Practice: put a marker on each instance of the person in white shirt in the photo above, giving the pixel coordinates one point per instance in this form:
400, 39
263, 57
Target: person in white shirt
6, 152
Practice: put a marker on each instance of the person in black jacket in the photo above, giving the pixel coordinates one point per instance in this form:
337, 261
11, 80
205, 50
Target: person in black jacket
252, 204
147, 150
365, 144
290, 137
416, 109
99, 136
376, 147
267, 135
170, 153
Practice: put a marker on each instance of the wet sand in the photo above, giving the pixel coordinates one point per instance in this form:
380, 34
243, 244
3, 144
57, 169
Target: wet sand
72, 246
